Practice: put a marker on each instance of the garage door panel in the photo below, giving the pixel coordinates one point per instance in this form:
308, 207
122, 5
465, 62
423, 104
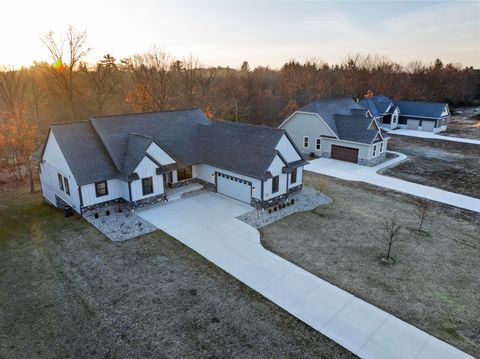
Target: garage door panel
428, 126
234, 187
413, 124
342, 153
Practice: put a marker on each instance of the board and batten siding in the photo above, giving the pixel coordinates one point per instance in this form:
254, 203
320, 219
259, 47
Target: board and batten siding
288, 151
146, 168
276, 170
204, 172
116, 189
310, 125
159, 155
54, 163
299, 179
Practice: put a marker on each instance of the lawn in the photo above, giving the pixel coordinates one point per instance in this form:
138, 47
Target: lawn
434, 283
66, 291
451, 166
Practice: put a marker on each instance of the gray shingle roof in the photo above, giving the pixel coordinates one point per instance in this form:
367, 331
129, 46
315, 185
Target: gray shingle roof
422, 109
355, 128
84, 152
378, 105
327, 108
112, 146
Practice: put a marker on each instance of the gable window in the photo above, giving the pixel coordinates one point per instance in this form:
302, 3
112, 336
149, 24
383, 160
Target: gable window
318, 142
374, 150
101, 188
60, 181
147, 185
67, 186
293, 176
184, 173
305, 141
275, 182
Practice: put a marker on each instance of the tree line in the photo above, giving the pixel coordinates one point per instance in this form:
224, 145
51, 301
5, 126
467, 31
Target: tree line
67, 88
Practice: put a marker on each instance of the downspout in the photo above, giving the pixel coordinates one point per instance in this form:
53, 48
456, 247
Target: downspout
81, 200
130, 191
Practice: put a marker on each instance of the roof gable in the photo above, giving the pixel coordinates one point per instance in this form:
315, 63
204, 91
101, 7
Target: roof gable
422, 109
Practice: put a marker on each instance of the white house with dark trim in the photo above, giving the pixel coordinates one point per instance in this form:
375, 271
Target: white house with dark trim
139, 158
412, 115
337, 128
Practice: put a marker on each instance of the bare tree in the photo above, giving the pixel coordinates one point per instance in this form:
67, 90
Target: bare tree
64, 73
103, 81
423, 206
391, 230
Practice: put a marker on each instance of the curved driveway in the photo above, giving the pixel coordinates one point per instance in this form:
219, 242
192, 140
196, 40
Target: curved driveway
206, 223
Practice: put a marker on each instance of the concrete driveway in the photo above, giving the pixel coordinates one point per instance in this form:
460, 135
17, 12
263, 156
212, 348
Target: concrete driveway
431, 135
207, 224
353, 172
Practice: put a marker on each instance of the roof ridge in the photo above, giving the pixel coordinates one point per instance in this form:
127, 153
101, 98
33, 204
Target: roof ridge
147, 112
248, 125
68, 123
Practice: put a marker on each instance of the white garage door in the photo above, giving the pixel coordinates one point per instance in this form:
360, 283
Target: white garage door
234, 187
413, 124
428, 125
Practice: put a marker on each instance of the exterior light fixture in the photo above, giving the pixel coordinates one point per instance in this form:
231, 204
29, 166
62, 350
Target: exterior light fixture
253, 189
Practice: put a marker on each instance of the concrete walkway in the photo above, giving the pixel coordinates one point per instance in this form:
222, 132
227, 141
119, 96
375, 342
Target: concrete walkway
353, 172
206, 223
431, 135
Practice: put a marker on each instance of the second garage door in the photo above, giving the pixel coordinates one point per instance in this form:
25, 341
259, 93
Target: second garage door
348, 154
234, 187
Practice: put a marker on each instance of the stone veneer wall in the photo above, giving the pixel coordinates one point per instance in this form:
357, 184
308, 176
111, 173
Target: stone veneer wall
372, 161
259, 204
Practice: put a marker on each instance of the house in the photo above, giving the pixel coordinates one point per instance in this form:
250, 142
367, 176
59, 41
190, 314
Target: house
139, 158
337, 128
412, 115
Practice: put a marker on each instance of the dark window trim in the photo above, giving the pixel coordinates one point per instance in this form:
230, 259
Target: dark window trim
293, 176
275, 184
60, 181
318, 143
184, 169
67, 185
150, 185
106, 188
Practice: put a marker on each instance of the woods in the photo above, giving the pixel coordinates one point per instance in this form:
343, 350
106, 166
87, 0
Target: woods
69, 89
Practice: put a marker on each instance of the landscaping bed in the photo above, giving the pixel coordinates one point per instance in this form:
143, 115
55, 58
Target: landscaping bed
433, 283
66, 291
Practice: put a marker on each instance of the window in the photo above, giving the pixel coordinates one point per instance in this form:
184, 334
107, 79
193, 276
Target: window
67, 186
60, 181
305, 142
374, 150
184, 173
101, 188
317, 144
275, 182
293, 176
147, 185
381, 147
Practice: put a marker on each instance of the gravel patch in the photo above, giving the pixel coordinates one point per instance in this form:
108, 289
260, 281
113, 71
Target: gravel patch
306, 200
121, 226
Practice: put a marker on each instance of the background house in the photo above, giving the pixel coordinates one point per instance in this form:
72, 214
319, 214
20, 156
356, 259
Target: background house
337, 128
412, 115
139, 158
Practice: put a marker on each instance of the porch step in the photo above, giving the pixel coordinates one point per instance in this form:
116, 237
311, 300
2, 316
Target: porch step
177, 193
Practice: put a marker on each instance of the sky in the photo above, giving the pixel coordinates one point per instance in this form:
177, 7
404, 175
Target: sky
263, 33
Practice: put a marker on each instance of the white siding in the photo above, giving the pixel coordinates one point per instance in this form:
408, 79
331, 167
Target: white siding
299, 178
204, 172
159, 155
276, 170
287, 150
146, 168
54, 163
116, 189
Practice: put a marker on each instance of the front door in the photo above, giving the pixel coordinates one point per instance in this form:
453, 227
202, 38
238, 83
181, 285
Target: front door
167, 179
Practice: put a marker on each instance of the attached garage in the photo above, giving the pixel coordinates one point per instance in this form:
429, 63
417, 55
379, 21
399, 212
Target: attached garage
428, 125
347, 154
413, 124
234, 187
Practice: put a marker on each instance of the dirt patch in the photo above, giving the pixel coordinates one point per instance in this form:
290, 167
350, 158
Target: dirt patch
465, 122
66, 291
434, 282
452, 166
